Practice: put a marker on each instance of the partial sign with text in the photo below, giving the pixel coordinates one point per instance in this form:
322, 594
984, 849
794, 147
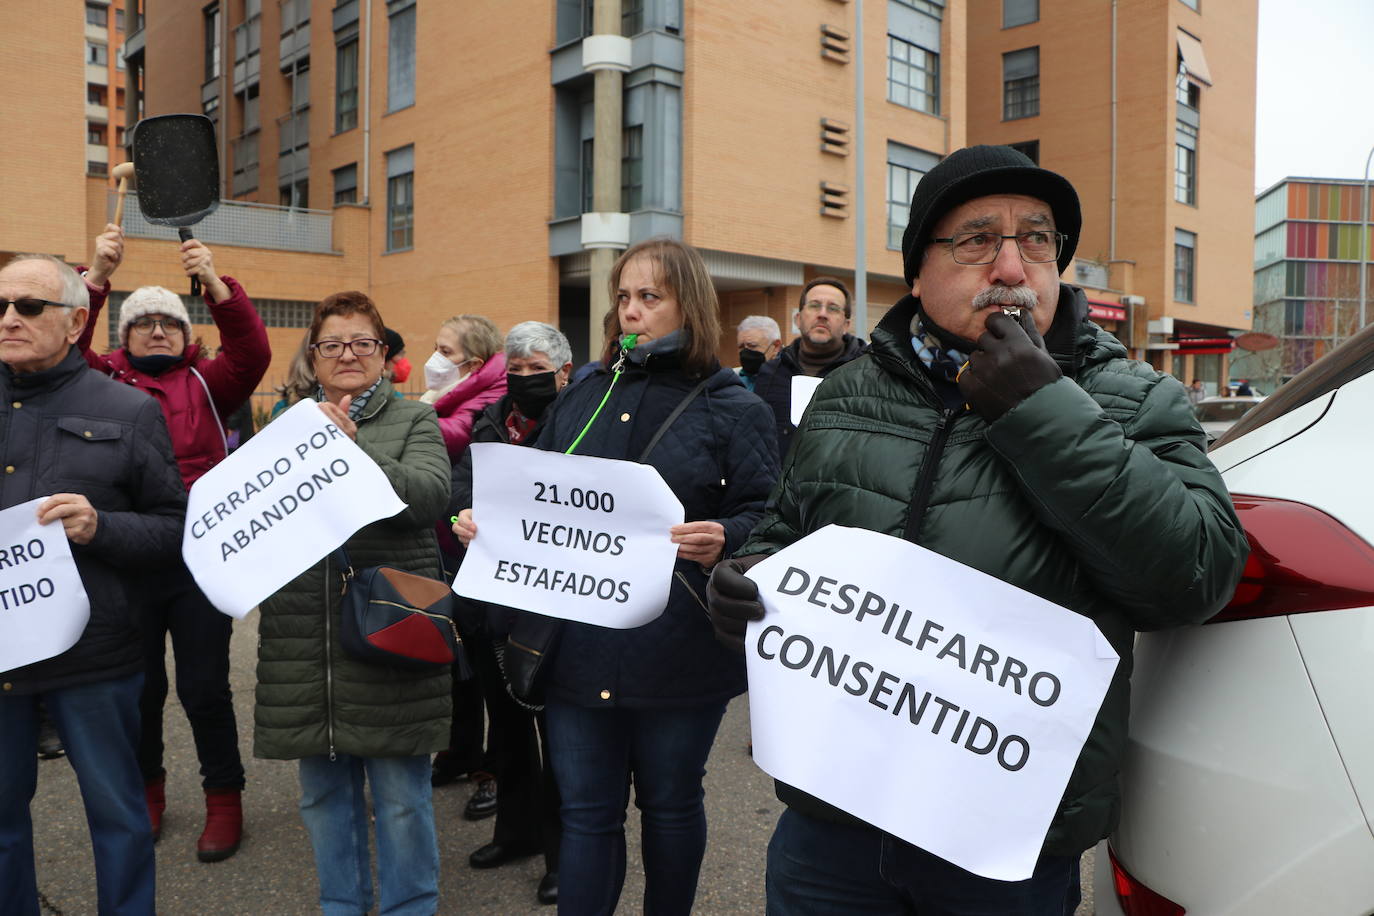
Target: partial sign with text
569, 536
43, 603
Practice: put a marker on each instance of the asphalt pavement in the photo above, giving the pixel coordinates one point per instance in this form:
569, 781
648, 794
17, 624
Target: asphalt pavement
273, 873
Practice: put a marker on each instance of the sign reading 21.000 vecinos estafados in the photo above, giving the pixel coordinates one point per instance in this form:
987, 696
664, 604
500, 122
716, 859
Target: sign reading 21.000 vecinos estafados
569, 536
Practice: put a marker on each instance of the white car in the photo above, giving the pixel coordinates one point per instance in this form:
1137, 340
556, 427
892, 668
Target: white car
1217, 415
1249, 777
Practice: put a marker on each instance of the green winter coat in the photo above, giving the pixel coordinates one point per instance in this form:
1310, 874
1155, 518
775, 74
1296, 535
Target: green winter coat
312, 698
1094, 493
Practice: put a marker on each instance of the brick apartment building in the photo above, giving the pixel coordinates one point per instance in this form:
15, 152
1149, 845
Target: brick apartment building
443, 156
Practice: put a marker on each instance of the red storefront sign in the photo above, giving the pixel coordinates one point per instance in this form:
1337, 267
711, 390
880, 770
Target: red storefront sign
1105, 311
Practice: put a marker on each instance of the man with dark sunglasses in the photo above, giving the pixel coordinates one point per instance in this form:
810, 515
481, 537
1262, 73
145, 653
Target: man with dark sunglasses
99, 453
993, 423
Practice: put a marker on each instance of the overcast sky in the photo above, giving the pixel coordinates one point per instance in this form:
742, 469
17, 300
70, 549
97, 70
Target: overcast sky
1315, 101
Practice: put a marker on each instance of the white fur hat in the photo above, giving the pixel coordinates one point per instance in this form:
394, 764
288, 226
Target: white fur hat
152, 300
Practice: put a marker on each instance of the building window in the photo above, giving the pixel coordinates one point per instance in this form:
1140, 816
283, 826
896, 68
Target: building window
400, 199
95, 15
1192, 4
1020, 84
585, 169
119, 136
1019, 12
95, 133
631, 17
400, 64
632, 169
1185, 165
95, 94
346, 185
905, 166
1031, 150
1185, 264
96, 168
913, 76
96, 54
296, 194
346, 87
119, 20
211, 43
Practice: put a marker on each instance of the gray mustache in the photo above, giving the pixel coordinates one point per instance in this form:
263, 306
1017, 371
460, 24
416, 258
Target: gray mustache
1019, 296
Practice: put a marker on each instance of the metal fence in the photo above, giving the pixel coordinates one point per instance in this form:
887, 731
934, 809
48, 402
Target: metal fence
242, 223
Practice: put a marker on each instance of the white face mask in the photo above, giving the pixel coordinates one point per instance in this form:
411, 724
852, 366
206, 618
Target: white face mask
441, 372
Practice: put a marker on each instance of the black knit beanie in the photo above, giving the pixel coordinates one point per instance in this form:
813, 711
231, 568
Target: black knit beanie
977, 171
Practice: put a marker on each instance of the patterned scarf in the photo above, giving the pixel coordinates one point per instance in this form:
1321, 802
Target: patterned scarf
357, 405
943, 362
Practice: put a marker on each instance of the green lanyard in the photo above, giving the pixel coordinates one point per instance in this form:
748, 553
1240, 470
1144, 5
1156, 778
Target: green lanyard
627, 343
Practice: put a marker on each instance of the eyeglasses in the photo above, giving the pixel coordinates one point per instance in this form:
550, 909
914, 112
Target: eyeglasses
817, 307
1036, 247
29, 308
145, 324
361, 347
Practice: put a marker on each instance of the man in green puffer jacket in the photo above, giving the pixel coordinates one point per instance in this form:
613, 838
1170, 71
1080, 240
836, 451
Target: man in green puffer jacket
1053, 463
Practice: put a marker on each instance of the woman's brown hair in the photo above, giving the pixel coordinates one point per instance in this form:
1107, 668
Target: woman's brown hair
351, 302
681, 271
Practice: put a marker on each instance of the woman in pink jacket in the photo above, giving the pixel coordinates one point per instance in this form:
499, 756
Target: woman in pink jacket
196, 393
465, 373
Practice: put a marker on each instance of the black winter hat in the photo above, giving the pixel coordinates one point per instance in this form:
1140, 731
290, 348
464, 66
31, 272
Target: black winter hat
977, 171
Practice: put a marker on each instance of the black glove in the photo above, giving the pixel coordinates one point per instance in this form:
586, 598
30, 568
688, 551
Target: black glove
1010, 364
733, 600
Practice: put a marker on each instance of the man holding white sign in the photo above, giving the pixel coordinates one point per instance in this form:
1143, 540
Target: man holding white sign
1052, 463
97, 456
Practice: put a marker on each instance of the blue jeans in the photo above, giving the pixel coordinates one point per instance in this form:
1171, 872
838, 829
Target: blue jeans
335, 815
817, 868
595, 754
98, 724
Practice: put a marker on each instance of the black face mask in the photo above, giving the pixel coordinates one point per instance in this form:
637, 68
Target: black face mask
751, 361
532, 393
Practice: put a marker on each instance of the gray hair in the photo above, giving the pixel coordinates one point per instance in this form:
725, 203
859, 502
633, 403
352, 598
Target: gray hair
530, 337
761, 323
74, 294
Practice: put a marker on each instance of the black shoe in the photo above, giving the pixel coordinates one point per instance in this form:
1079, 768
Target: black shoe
548, 888
49, 745
494, 855
483, 801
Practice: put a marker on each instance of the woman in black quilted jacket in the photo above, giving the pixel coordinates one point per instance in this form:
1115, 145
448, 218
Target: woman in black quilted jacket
644, 704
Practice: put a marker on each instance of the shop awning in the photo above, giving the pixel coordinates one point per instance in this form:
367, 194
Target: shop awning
1194, 61
1108, 311
1201, 346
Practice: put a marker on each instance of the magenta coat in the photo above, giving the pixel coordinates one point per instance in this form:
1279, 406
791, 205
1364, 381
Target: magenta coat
458, 408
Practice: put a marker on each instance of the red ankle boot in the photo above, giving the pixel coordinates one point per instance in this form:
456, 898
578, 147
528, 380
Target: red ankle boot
223, 825
155, 794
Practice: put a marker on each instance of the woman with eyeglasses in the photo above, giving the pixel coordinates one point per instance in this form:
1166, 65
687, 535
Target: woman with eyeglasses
350, 723
197, 392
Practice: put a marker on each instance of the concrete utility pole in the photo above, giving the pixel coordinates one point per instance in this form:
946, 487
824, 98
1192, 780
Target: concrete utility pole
607, 56
1364, 240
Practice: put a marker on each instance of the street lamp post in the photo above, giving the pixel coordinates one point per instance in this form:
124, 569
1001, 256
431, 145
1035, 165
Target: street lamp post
1364, 238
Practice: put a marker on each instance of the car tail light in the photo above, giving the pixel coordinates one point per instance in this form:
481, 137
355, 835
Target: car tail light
1301, 559
1135, 898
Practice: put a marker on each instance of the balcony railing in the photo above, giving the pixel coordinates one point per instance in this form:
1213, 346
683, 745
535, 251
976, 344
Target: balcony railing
242, 223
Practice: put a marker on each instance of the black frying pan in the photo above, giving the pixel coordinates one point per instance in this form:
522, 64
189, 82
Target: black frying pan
176, 164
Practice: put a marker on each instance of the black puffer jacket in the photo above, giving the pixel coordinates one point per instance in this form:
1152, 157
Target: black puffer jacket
1094, 493
718, 457
69, 429
774, 383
